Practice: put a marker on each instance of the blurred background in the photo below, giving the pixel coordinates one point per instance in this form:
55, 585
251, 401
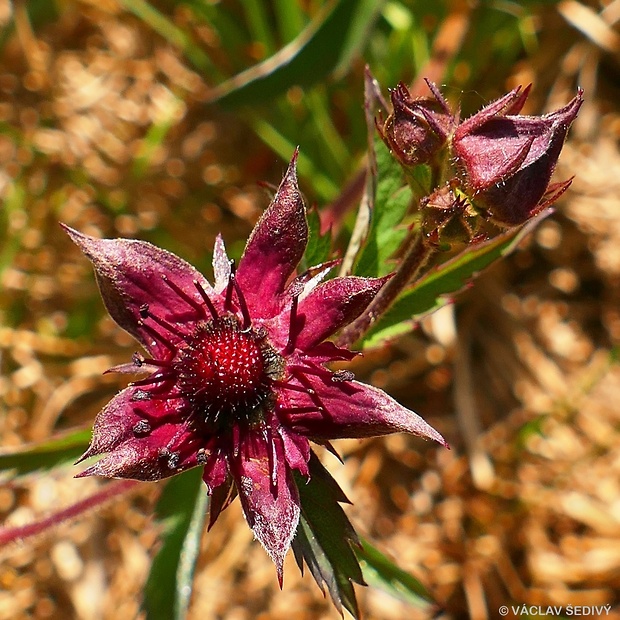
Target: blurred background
158, 120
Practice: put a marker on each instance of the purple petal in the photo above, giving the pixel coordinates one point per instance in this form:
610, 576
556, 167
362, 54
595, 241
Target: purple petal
131, 274
352, 409
268, 493
274, 248
495, 153
510, 102
296, 450
145, 458
333, 305
221, 497
143, 439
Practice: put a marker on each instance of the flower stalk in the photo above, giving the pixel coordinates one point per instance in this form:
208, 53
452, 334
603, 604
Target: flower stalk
109, 492
421, 249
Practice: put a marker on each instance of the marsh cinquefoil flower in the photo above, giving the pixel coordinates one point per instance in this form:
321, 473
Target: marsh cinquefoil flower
236, 378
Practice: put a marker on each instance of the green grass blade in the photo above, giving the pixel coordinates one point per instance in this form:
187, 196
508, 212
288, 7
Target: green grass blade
324, 187
329, 43
181, 510
169, 31
59, 450
381, 573
260, 28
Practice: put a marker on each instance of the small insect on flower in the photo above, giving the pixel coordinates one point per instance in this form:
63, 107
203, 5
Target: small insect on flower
236, 373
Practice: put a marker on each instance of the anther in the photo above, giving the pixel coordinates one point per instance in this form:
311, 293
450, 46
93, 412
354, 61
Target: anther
137, 359
201, 456
139, 395
342, 375
144, 311
142, 428
173, 460
206, 299
184, 296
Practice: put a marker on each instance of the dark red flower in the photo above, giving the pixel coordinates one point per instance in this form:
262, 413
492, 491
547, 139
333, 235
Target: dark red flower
236, 372
505, 160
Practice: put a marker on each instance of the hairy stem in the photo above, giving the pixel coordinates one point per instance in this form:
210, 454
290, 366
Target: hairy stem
110, 491
417, 255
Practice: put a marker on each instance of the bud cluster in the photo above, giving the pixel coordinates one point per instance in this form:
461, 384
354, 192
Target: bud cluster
493, 166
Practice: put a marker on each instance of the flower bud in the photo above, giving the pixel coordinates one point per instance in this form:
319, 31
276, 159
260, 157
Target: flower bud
505, 160
417, 128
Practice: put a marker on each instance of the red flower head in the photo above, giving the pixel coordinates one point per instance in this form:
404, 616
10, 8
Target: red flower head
506, 159
237, 380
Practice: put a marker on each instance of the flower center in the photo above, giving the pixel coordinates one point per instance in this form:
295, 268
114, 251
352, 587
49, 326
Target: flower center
226, 372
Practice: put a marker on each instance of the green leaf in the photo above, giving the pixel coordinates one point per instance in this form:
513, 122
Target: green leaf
181, 510
429, 293
59, 450
325, 538
392, 200
328, 44
319, 246
381, 573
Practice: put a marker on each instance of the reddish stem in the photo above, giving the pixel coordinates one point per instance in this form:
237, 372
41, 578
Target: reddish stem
110, 491
418, 253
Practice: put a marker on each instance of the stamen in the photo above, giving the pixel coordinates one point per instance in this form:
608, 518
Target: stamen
292, 387
151, 380
155, 334
247, 319
292, 332
309, 409
230, 287
301, 373
147, 361
165, 324
206, 299
311, 369
184, 296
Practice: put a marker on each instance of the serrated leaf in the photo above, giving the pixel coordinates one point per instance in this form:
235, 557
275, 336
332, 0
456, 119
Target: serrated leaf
431, 291
59, 450
385, 234
181, 510
327, 44
381, 573
325, 538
